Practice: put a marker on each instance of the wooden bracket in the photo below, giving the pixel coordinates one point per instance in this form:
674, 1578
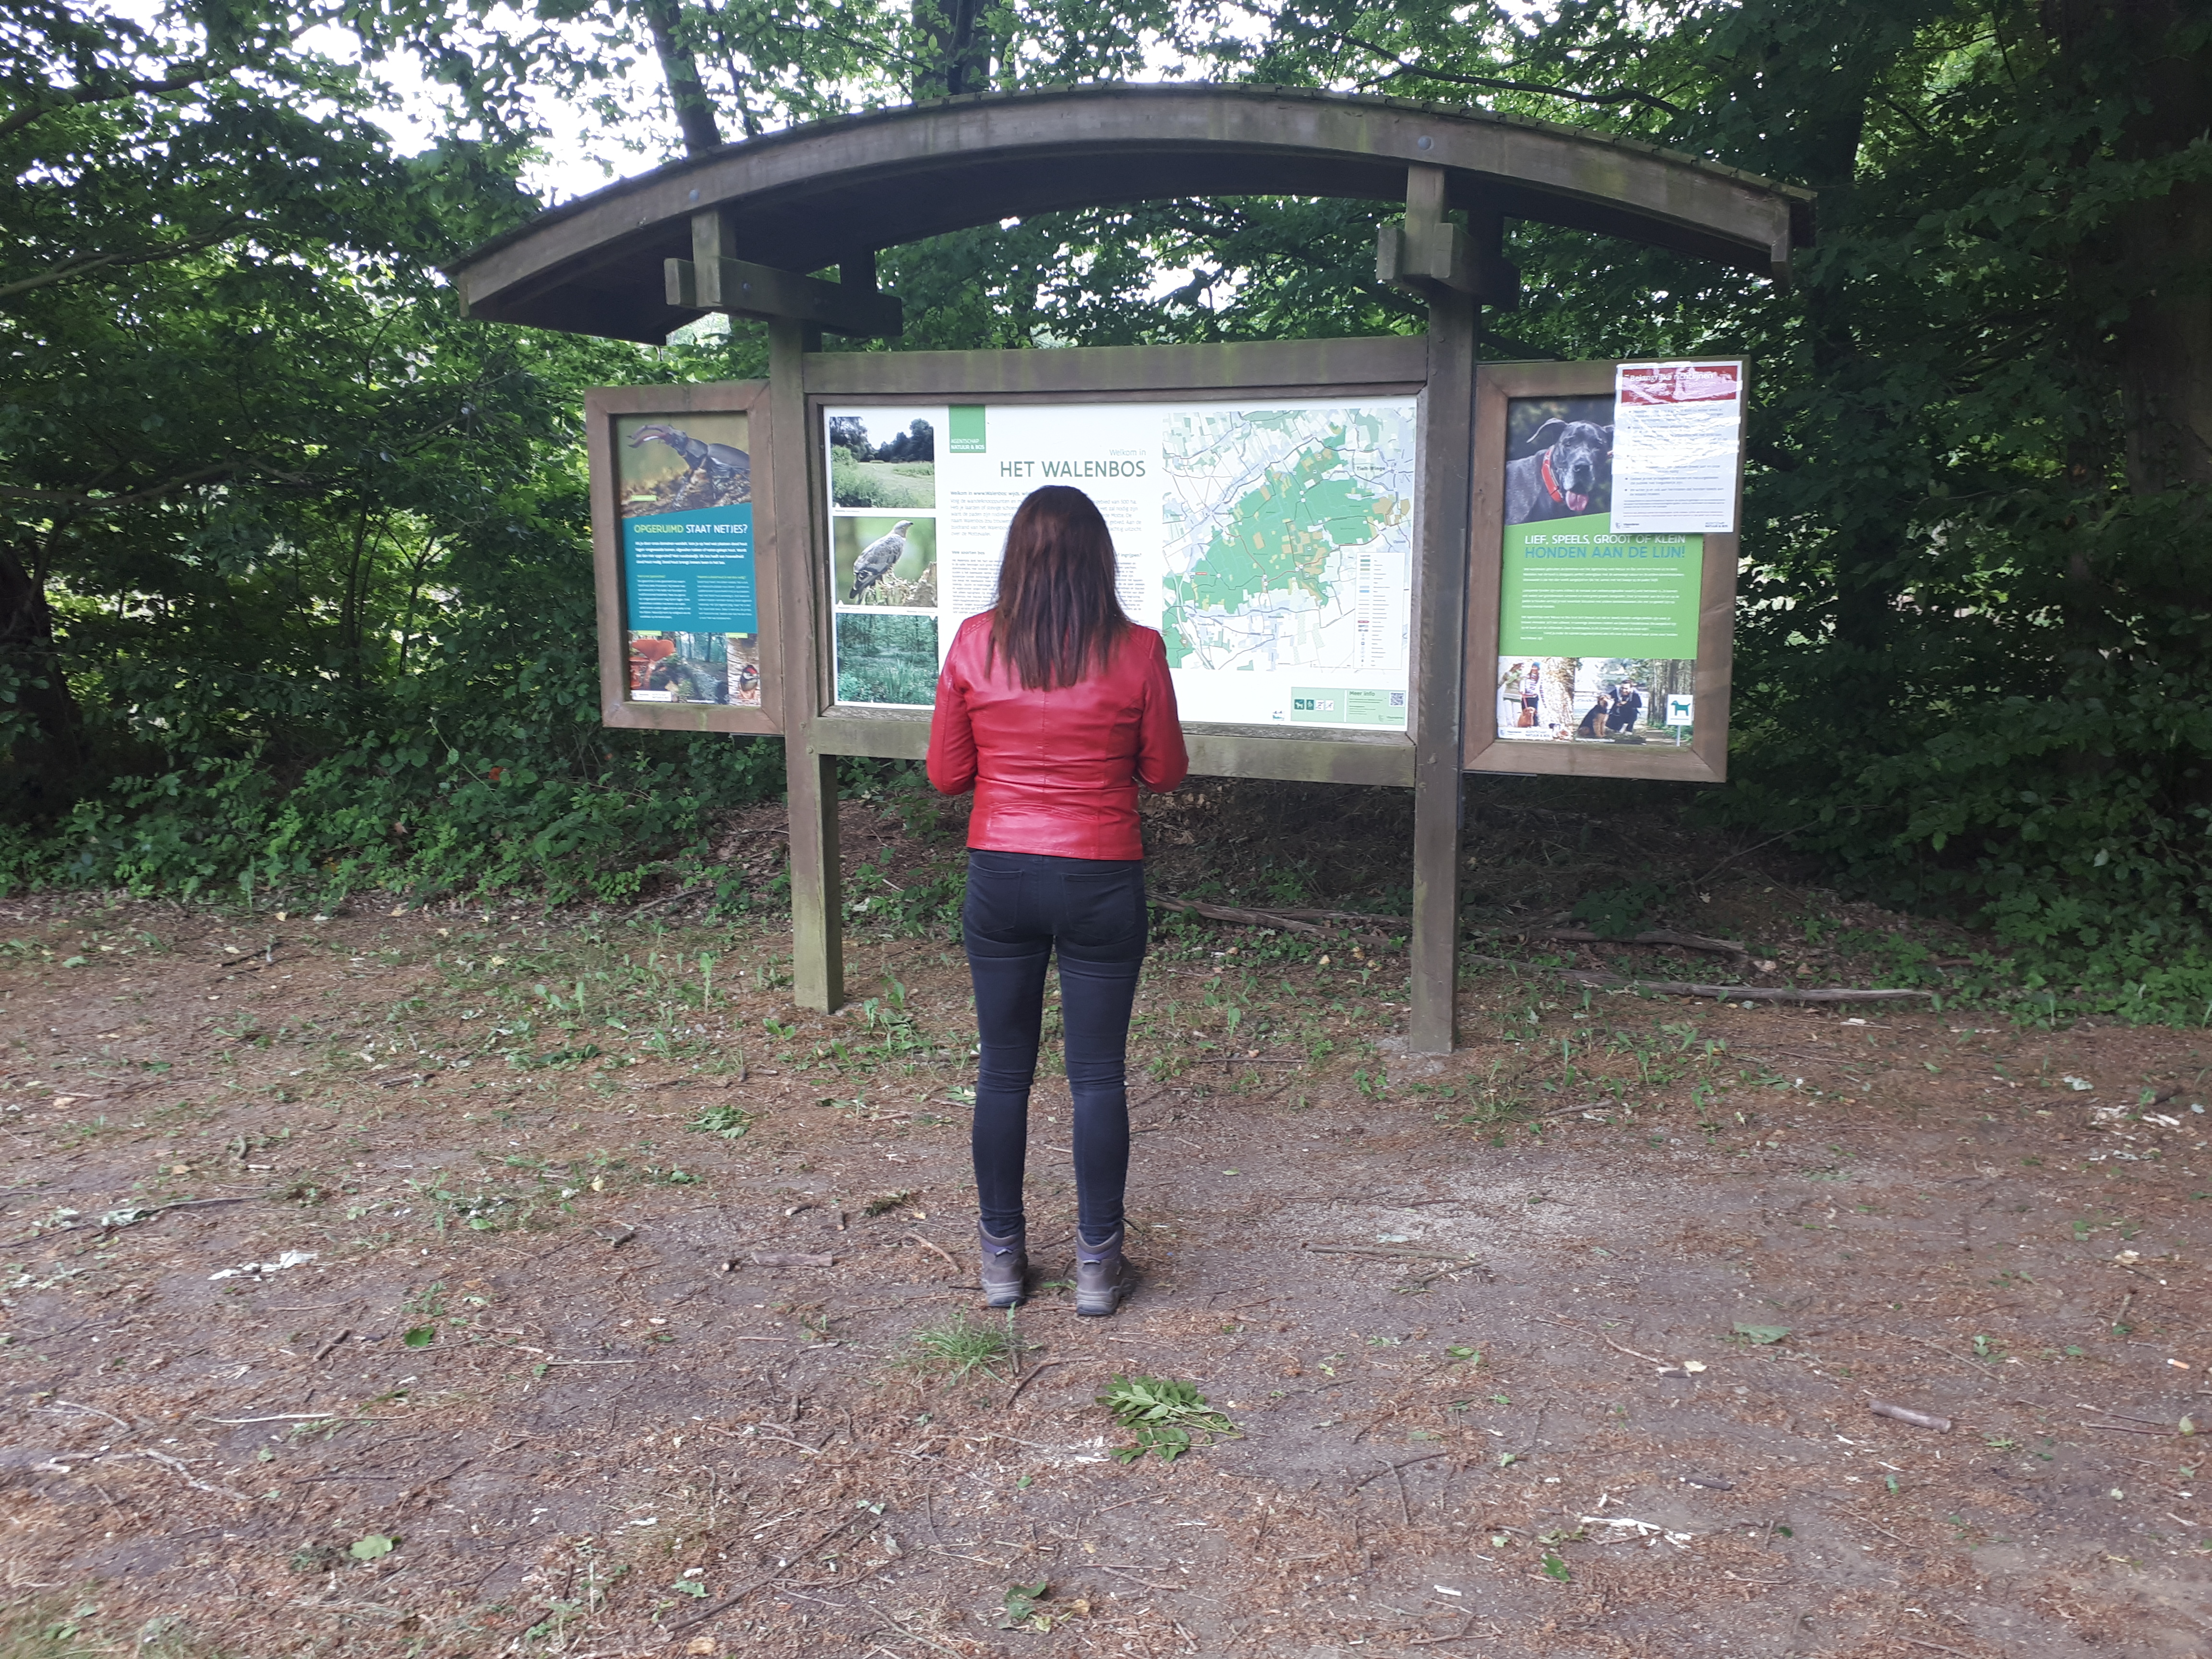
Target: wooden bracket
1429, 254
711, 280
745, 289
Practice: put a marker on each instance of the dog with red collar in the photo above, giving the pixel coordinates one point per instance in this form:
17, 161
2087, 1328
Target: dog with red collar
1568, 463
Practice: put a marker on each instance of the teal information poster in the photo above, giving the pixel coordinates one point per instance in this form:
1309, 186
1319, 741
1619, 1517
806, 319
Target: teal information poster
686, 511
691, 570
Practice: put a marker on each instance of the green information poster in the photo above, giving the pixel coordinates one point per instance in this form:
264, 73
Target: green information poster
1571, 588
1597, 629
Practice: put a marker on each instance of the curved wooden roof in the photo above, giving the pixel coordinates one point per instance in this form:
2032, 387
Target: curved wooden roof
817, 195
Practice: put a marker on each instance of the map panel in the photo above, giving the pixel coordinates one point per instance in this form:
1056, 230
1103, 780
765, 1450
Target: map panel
1287, 549
1271, 543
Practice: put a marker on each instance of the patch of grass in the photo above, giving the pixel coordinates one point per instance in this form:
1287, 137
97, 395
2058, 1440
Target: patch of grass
957, 1345
1168, 1416
63, 1626
884, 1203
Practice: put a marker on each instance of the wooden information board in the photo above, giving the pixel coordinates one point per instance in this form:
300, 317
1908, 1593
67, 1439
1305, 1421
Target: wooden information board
1594, 652
688, 621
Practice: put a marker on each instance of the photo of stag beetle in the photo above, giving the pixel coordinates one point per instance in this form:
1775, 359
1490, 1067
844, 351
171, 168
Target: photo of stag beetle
726, 469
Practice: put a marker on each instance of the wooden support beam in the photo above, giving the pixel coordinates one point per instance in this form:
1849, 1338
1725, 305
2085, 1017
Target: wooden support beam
1441, 528
817, 906
745, 289
1430, 255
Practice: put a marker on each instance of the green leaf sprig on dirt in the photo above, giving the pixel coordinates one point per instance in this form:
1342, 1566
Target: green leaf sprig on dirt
1168, 1415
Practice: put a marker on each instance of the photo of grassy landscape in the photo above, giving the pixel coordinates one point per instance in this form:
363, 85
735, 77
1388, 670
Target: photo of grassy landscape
882, 458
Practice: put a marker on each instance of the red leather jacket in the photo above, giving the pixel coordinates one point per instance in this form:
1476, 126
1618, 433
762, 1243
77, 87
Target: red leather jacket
1055, 772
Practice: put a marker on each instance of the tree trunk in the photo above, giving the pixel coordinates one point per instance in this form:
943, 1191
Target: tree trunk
695, 113
41, 729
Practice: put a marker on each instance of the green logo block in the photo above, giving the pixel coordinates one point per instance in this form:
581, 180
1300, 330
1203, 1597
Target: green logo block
964, 429
1325, 705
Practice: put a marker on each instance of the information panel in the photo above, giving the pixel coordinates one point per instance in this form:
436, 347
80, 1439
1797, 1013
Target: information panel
1270, 543
1597, 634
689, 597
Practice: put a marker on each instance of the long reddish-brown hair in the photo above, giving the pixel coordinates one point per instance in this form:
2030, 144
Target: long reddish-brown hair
1057, 619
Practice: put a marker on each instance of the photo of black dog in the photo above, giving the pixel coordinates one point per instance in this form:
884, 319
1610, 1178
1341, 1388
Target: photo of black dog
1565, 471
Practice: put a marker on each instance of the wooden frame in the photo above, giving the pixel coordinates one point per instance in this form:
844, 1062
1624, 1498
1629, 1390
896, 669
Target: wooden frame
1705, 758
603, 407
1390, 366
648, 254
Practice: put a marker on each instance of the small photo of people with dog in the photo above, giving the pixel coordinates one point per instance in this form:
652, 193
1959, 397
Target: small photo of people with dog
1559, 459
682, 463
680, 667
1613, 699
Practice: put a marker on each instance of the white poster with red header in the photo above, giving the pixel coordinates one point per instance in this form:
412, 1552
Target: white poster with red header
1677, 434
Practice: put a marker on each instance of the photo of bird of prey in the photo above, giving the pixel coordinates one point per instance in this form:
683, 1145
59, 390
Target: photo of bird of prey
877, 559
726, 470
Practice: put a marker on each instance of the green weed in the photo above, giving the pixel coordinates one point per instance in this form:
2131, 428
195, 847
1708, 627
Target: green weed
731, 1122
953, 1347
1167, 1415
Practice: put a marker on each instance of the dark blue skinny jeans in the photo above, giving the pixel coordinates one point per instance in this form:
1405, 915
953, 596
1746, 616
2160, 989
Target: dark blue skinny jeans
1022, 908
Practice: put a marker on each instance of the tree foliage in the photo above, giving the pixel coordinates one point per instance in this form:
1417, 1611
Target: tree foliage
267, 508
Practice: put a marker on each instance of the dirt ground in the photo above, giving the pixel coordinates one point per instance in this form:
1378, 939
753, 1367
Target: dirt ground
464, 1282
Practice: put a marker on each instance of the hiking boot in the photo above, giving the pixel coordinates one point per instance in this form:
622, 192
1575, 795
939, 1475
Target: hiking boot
1101, 1276
1006, 1268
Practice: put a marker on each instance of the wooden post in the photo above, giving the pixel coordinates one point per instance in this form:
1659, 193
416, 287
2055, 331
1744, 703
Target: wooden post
1440, 614
818, 907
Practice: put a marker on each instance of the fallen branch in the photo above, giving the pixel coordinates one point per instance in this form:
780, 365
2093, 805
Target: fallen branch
760, 1583
1346, 915
1906, 1414
1418, 1253
1120, 1573
1681, 988
1274, 919
1663, 1364
550, 1363
190, 1480
1035, 1371
1431, 1641
669, 898
280, 1417
1933, 1647
935, 1250
153, 1212
1389, 1468
1866, 1520
1726, 947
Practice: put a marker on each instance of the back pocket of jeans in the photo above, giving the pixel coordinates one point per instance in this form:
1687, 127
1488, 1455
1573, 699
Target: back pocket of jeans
1103, 913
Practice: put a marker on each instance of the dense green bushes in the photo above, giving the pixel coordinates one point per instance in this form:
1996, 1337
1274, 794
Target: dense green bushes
485, 769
